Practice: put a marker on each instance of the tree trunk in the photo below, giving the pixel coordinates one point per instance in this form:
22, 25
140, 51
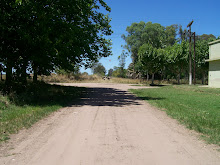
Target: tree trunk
147, 76
1, 76
203, 79
24, 74
35, 74
134, 74
178, 77
152, 83
8, 74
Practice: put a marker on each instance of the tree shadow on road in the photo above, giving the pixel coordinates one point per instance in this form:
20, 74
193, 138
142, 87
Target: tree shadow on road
109, 97
42, 94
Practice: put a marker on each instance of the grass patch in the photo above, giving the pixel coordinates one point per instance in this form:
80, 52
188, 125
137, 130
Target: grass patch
26, 106
198, 108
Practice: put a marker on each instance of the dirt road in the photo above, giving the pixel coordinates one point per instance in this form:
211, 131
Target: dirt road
109, 127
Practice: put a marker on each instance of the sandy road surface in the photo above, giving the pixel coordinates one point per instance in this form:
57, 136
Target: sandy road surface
109, 127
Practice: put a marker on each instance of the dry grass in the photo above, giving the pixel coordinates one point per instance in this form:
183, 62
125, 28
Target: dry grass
59, 78
99, 79
3, 76
125, 81
88, 78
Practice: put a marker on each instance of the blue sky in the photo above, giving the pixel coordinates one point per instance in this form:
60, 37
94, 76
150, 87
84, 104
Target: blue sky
205, 13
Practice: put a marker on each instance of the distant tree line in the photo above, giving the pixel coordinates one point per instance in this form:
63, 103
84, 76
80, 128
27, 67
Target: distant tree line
40, 37
98, 69
163, 51
119, 71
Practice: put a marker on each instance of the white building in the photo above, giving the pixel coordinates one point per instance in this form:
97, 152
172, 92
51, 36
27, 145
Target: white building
214, 64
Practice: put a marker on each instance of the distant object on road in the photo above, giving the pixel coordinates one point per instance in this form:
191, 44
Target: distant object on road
106, 78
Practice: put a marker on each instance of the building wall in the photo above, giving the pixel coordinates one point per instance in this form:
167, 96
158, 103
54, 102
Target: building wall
214, 64
214, 74
214, 50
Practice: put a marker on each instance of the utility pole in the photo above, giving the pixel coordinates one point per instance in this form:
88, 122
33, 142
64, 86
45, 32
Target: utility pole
190, 56
194, 38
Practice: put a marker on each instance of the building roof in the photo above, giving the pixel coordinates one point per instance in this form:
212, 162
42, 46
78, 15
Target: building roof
217, 58
214, 59
214, 42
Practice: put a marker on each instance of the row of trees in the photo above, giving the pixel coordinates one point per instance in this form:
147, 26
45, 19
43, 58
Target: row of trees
160, 50
99, 69
40, 37
119, 71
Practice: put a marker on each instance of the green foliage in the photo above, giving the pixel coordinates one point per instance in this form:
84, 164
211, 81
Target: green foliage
74, 71
99, 69
122, 70
134, 38
119, 72
171, 32
157, 50
146, 42
182, 34
197, 108
116, 72
144, 33
202, 54
151, 58
207, 37
110, 72
154, 34
177, 57
41, 36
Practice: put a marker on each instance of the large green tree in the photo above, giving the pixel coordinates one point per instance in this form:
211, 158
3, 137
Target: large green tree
134, 38
154, 34
45, 35
207, 37
151, 59
122, 63
177, 59
144, 33
99, 69
171, 33
164, 51
202, 54
148, 36
110, 71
